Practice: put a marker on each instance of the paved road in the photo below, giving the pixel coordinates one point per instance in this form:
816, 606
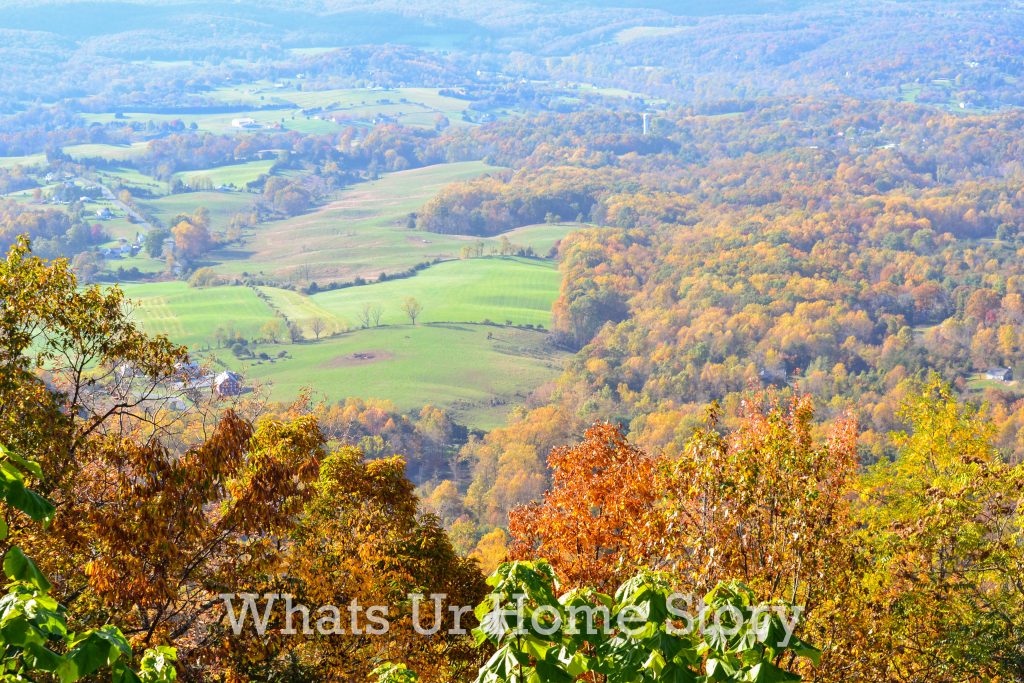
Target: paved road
109, 194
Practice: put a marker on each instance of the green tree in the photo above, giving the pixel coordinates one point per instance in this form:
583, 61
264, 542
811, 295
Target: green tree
155, 241
204, 277
394, 673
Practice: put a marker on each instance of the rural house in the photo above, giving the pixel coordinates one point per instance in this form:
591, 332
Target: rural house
227, 383
1000, 374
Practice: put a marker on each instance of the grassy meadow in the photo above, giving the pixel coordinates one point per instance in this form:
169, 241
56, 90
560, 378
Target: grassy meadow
478, 371
108, 152
237, 175
24, 161
543, 238
221, 205
135, 182
447, 358
473, 290
495, 289
416, 107
191, 316
362, 233
314, 112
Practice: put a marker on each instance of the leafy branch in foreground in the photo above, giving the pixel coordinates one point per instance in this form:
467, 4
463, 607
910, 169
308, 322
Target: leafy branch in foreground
34, 635
645, 633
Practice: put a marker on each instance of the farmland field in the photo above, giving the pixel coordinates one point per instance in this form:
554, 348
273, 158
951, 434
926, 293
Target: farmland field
646, 32
363, 233
440, 360
109, 152
478, 371
26, 161
408, 106
472, 290
137, 183
496, 289
221, 205
191, 316
544, 237
287, 108
237, 175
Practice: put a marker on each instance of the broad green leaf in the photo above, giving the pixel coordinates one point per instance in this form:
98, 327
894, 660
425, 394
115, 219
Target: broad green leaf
766, 672
98, 649
13, 490
18, 567
802, 649
29, 466
39, 657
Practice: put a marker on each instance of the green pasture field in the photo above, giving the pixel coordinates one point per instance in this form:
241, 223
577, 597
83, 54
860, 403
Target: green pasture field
410, 106
25, 161
237, 175
191, 316
146, 265
979, 382
497, 289
221, 205
133, 180
542, 237
109, 152
480, 372
363, 233
640, 32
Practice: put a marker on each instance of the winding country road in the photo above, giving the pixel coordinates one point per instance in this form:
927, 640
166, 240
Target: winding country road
110, 196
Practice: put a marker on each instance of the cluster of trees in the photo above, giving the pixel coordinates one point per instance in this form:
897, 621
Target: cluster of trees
492, 205
38, 129
428, 439
336, 159
907, 570
284, 197
55, 232
14, 179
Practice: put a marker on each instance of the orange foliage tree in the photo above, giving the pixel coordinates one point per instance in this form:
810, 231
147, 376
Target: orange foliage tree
594, 525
